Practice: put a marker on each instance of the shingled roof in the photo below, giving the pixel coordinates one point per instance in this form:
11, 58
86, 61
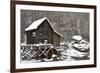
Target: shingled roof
36, 23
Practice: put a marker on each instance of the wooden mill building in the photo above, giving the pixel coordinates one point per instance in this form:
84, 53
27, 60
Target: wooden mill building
41, 31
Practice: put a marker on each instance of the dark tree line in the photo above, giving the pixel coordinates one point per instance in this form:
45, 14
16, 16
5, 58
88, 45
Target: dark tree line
66, 23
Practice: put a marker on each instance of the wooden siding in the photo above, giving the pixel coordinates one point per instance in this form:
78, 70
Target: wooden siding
43, 32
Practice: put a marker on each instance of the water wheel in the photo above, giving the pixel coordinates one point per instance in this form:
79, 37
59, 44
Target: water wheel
51, 52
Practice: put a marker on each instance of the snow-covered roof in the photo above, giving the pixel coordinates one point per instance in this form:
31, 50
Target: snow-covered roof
36, 23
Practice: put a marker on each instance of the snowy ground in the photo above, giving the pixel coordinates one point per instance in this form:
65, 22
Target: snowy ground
67, 53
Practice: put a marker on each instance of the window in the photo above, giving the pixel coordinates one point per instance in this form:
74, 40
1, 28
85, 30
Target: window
34, 34
45, 41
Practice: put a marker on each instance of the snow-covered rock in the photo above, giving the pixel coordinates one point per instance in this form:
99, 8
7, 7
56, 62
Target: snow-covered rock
77, 37
75, 53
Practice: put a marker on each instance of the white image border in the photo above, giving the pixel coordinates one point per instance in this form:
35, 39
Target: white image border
59, 63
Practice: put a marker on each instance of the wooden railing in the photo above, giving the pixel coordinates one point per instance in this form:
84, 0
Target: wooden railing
38, 52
